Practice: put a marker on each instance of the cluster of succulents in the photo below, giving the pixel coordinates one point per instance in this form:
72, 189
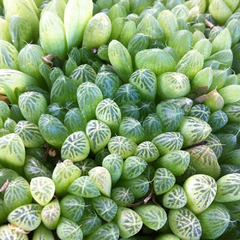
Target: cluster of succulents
120, 119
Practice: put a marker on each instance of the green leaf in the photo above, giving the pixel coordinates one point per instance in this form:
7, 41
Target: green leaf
52, 130
89, 223
109, 112
17, 194
228, 188
122, 146
175, 198
133, 166
27, 217
72, 207
153, 216
102, 179
42, 189
50, 214
32, 105
128, 221
163, 180
76, 147
105, 207
184, 224
98, 134
106, 231
29, 133
68, 230
114, 164
147, 151
63, 175
122, 196
6, 232
12, 151
85, 187
201, 190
